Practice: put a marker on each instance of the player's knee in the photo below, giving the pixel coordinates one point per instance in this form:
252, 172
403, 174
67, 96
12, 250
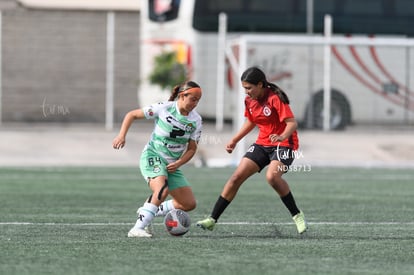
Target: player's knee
274, 175
189, 205
234, 182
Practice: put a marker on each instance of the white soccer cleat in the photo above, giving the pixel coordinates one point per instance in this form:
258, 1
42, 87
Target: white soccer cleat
138, 233
149, 229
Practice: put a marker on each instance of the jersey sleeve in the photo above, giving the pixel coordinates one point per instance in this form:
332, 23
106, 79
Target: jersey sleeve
247, 114
152, 111
196, 134
283, 109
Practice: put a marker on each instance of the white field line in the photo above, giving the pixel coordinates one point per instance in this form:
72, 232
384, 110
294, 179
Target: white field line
224, 223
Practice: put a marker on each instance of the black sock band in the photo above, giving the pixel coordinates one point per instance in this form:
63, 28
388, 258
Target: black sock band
290, 203
219, 208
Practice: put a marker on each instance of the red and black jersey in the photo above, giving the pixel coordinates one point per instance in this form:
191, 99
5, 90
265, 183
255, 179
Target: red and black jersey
269, 114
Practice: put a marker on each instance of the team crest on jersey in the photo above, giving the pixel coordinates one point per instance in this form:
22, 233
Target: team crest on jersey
150, 112
267, 111
156, 169
189, 127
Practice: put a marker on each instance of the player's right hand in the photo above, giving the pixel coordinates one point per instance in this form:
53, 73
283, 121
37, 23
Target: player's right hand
118, 142
230, 147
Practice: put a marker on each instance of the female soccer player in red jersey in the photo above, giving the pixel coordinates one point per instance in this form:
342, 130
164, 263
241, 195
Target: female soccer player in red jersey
267, 107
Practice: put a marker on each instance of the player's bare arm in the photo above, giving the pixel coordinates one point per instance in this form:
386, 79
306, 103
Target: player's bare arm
291, 126
247, 127
119, 141
187, 156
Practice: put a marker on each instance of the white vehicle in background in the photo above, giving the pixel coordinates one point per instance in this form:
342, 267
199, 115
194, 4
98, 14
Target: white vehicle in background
369, 84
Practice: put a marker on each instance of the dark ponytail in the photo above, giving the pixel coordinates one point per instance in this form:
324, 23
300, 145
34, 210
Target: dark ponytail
174, 93
254, 75
277, 90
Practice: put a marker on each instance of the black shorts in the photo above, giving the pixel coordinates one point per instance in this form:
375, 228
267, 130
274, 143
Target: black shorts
263, 155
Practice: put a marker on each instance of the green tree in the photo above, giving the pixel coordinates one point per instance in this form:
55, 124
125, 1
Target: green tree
167, 71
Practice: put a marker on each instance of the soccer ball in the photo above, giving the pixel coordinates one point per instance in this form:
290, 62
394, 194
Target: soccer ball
177, 222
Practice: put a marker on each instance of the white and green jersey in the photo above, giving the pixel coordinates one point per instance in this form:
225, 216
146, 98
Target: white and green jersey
172, 130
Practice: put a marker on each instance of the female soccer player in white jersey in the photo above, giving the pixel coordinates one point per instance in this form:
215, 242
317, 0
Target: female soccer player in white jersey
173, 143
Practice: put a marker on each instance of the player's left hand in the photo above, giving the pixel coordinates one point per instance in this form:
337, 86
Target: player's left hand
275, 138
172, 167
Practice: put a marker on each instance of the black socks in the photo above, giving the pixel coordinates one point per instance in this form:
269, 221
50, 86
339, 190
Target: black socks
290, 204
219, 207
222, 203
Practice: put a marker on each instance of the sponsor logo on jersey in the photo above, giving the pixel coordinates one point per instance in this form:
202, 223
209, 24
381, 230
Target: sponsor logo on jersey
186, 127
174, 146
